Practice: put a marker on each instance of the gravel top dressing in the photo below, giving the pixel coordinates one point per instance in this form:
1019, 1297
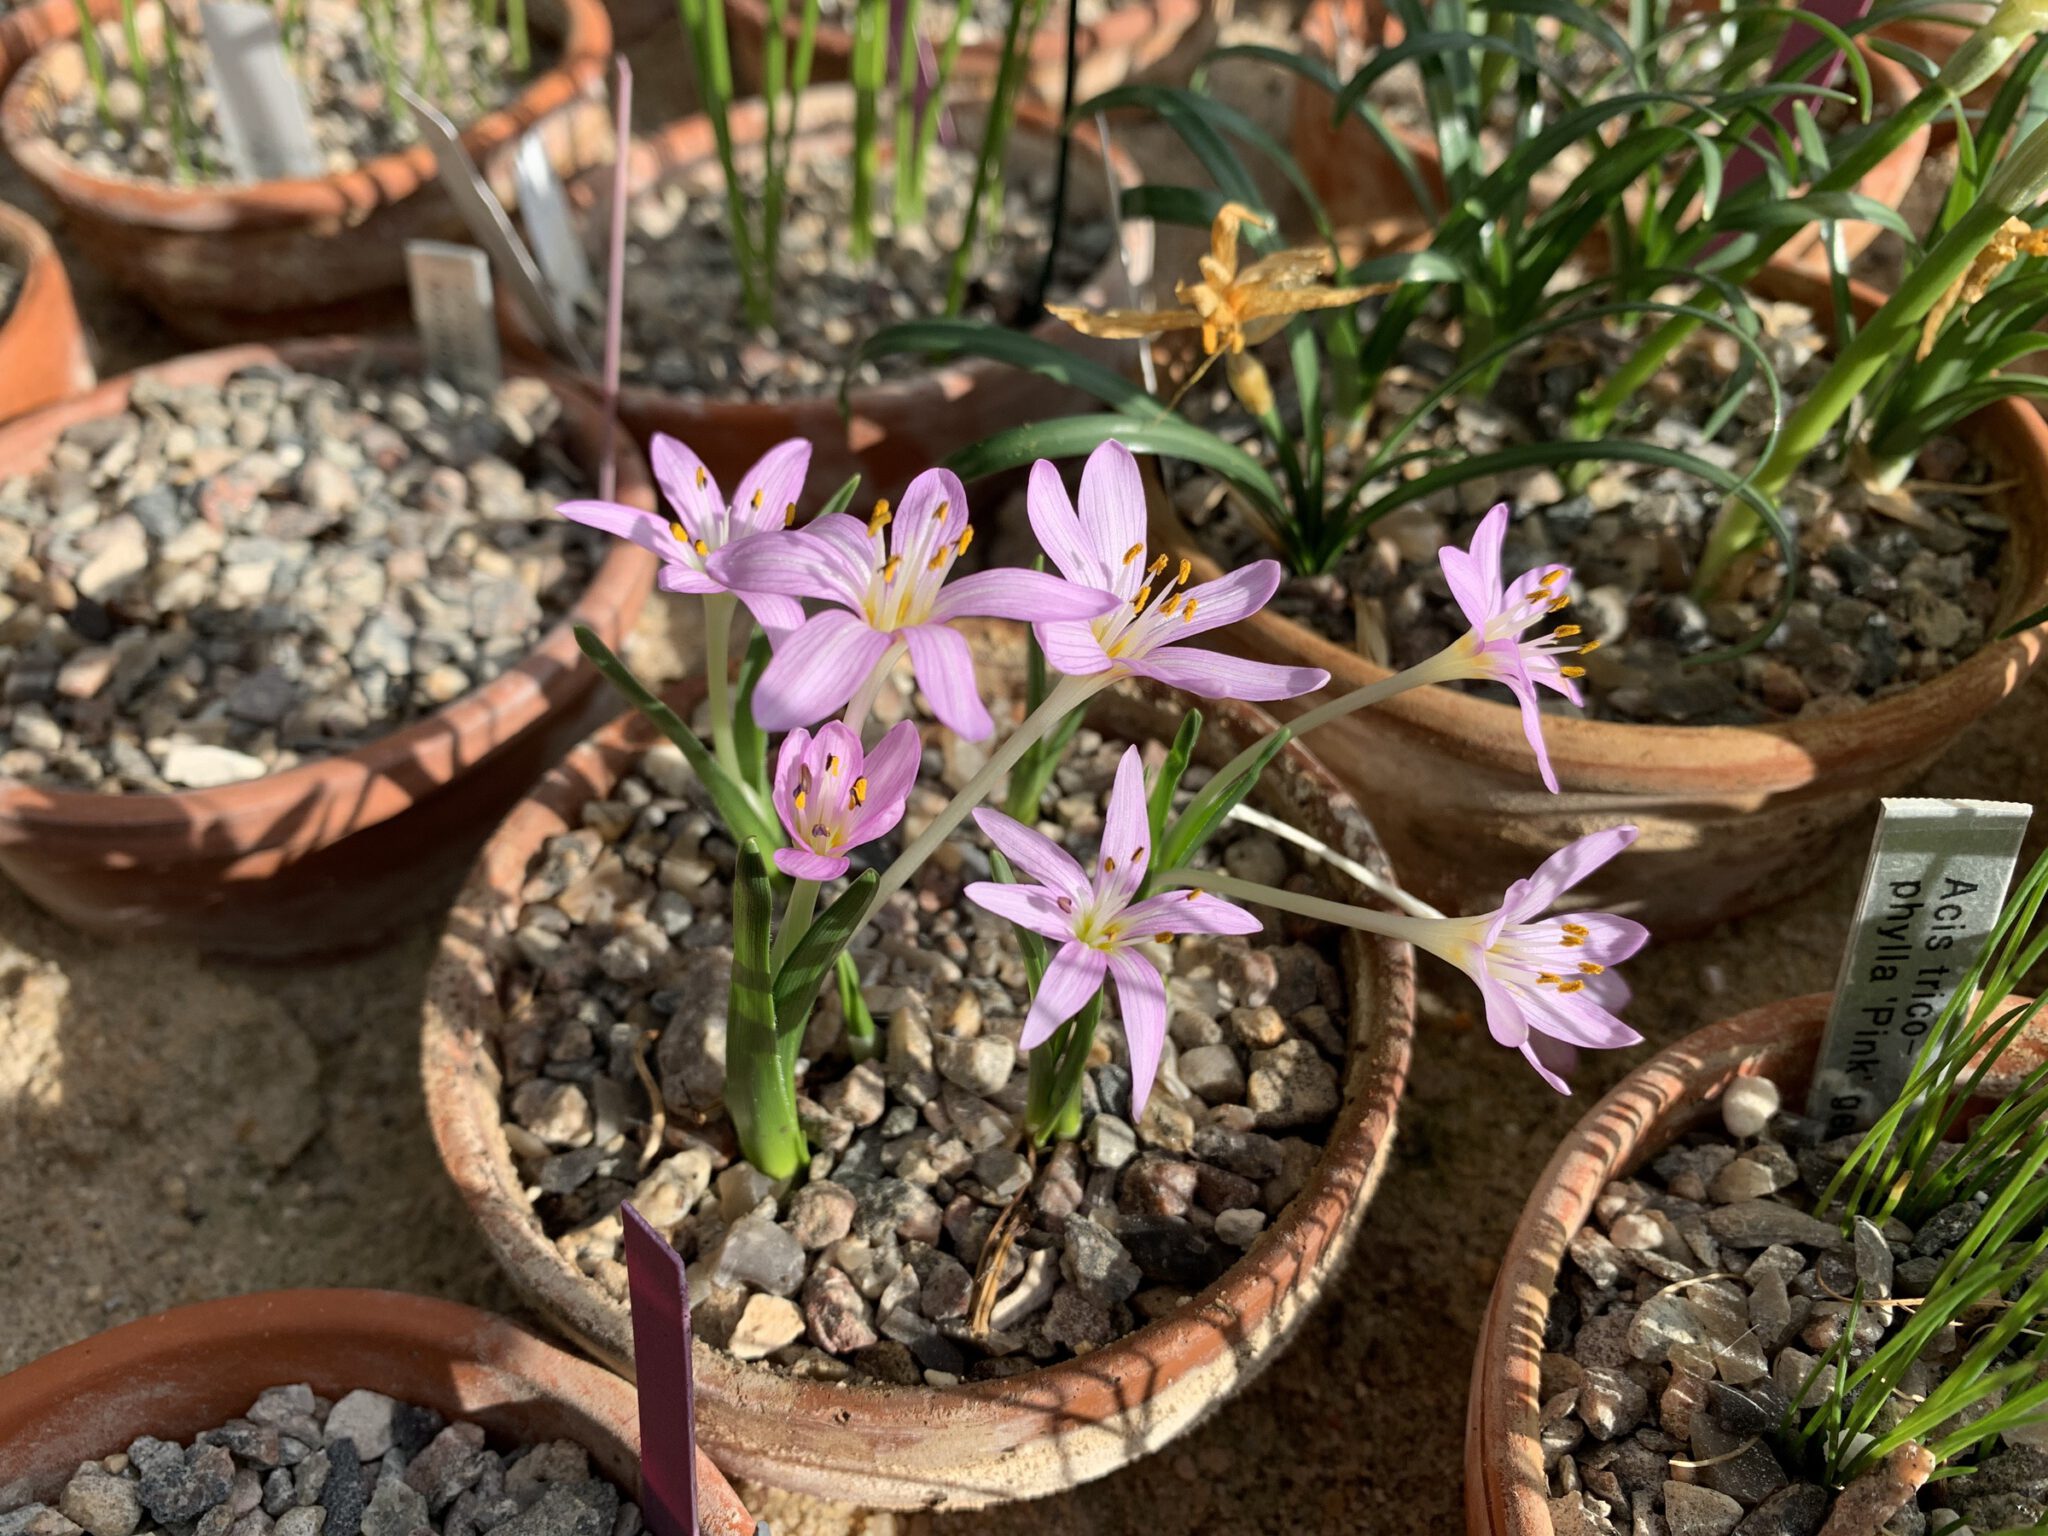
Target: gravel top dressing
354, 117
296, 1464
1894, 588
1693, 1312
225, 580
684, 327
866, 1269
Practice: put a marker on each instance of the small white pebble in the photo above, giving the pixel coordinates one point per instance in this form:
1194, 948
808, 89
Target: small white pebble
1747, 1106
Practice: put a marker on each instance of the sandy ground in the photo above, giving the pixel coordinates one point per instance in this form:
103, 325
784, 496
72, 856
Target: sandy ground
173, 1128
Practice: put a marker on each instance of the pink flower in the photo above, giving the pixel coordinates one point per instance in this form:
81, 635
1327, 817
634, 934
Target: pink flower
1096, 921
1144, 632
832, 796
705, 524
887, 580
1494, 648
1552, 977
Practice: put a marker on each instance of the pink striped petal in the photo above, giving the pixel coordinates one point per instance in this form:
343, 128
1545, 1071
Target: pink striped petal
945, 671
687, 582
1504, 1018
1059, 530
933, 513
1188, 912
1141, 1002
802, 864
687, 483
891, 770
636, 525
1012, 593
1517, 682
1126, 833
1475, 576
1228, 599
1071, 649
769, 492
777, 616
789, 763
816, 670
791, 563
1033, 853
1074, 977
1028, 906
1113, 513
1566, 869
1572, 1018
1214, 675
1609, 939
1532, 1054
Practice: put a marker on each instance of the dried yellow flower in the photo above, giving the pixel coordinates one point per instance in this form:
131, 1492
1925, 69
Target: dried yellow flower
2015, 238
1233, 309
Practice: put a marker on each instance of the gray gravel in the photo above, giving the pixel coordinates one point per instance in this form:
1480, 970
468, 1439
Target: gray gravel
296, 1464
343, 83
223, 581
866, 1268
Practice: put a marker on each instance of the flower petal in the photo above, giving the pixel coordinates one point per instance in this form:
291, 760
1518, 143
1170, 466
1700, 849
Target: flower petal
793, 562
945, 671
769, 492
1141, 1001
687, 484
1517, 683
691, 583
1531, 1055
802, 864
636, 525
1059, 531
933, 513
1012, 593
1214, 675
1126, 835
1074, 977
857, 552
816, 669
1474, 575
1034, 853
777, 616
1609, 939
1071, 649
890, 769
1229, 598
789, 763
1188, 912
1113, 513
1504, 1019
1572, 1017
1568, 867
1029, 906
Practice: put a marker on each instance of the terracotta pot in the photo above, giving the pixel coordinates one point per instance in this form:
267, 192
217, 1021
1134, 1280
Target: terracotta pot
1131, 38
1362, 187
1652, 1107
1733, 818
193, 1368
42, 349
28, 28
306, 256
898, 1447
334, 853
897, 428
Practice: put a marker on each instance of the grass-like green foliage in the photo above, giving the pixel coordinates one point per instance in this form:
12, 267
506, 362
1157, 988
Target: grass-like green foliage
1940, 1144
894, 103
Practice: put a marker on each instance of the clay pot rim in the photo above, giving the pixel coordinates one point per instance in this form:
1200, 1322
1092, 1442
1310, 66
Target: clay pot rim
1582, 747
1124, 23
425, 1325
28, 245
476, 722
1375, 1075
688, 141
585, 54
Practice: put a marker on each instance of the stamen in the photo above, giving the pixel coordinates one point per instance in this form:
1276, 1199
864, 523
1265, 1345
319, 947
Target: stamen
937, 561
1573, 671
1549, 578
1592, 968
701, 547
1109, 864
757, 497
1564, 631
702, 476
1162, 938
1590, 647
1172, 602
1574, 985
798, 800
966, 538
819, 829
944, 508
1157, 566
831, 762
1193, 894
682, 534
1571, 943
1562, 602
879, 518
789, 516
1576, 930
1133, 552
1187, 613
1064, 903
1139, 856
1144, 596
1545, 979
860, 791
889, 571
1187, 569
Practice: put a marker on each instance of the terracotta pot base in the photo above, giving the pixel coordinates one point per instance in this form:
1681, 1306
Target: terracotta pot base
335, 853
191, 1369
982, 1442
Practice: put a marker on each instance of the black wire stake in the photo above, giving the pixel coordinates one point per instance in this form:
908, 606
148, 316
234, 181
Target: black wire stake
1035, 310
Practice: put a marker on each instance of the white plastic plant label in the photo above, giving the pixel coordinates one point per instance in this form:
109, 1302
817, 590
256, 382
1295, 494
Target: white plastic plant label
262, 113
544, 209
491, 228
1937, 878
452, 310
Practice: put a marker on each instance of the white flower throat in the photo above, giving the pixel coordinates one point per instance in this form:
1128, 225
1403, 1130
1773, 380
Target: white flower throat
904, 583
1137, 626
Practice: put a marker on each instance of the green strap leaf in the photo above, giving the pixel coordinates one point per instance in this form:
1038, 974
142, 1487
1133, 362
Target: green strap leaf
843, 497
1073, 437
943, 338
1166, 784
823, 943
1217, 799
760, 1093
749, 740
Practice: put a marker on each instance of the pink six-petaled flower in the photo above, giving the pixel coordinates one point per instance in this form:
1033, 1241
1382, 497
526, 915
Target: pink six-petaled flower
832, 795
887, 581
1144, 632
1096, 921
1494, 648
705, 523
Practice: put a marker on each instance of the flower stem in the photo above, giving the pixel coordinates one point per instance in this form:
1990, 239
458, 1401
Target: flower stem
718, 607
1422, 932
796, 921
1053, 1107
1071, 693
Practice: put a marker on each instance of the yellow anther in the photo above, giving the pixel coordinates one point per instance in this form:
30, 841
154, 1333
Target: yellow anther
1573, 671
1187, 613
701, 547
1576, 930
1144, 596
831, 762
1109, 863
1592, 968
937, 561
889, 571
966, 538
1545, 979
944, 508
1133, 552
789, 515
1138, 857
1193, 894
1187, 569
1565, 631
682, 534
798, 800
1550, 577
879, 518
1170, 604
1574, 985
1157, 566
1162, 938
1570, 943
757, 498
1561, 602
860, 791
701, 477
1590, 647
